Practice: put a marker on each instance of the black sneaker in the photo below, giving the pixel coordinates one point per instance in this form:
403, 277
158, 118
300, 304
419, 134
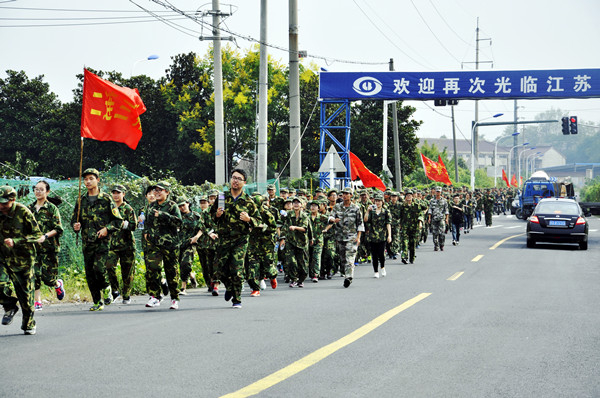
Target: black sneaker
9, 315
347, 282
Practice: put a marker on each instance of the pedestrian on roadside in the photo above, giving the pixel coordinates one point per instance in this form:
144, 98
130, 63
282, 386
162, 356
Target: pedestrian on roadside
457, 215
379, 231
48, 246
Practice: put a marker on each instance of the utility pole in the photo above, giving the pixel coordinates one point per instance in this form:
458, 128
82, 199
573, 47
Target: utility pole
515, 138
263, 87
294, 81
454, 144
397, 163
218, 89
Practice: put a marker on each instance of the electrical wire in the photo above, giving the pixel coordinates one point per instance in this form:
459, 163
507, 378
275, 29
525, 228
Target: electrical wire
84, 24
448, 25
170, 24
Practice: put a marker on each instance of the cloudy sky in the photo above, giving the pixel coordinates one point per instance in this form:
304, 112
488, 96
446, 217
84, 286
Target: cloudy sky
57, 39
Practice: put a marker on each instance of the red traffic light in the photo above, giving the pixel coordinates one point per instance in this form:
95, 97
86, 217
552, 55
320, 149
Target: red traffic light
573, 120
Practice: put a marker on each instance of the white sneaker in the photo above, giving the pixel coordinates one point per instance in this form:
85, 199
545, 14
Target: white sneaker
383, 272
153, 302
376, 275
263, 285
174, 304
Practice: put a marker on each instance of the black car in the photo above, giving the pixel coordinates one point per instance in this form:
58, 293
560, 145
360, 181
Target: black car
557, 220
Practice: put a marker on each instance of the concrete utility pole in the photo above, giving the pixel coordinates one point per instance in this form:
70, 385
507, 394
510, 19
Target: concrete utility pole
263, 87
294, 79
454, 144
218, 88
516, 137
398, 164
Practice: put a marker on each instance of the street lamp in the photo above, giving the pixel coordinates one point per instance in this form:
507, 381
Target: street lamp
519, 158
496, 155
149, 58
527, 164
473, 127
510, 155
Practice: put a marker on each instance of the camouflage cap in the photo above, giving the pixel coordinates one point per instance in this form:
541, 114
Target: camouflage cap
296, 199
163, 185
118, 188
438, 189
378, 196
255, 193
182, 200
319, 190
271, 186
283, 190
347, 190
203, 198
91, 171
314, 202
213, 192
7, 193
364, 192
394, 193
288, 200
332, 191
408, 192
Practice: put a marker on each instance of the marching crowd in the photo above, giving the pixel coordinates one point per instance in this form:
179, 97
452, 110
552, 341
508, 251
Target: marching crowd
238, 238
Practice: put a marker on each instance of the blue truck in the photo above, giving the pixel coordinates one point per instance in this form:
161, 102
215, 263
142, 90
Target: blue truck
539, 186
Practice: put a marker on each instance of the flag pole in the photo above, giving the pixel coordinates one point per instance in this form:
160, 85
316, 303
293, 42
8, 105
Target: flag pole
79, 193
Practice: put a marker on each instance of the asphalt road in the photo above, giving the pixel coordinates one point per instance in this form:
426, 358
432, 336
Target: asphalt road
517, 322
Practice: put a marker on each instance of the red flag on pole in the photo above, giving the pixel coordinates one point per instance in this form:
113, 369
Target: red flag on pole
505, 178
359, 170
110, 112
435, 171
513, 181
444, 171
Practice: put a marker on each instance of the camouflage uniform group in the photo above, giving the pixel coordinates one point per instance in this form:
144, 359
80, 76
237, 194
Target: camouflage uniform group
237, 238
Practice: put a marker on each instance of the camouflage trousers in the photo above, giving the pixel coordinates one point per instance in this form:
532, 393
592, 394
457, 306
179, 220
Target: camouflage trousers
46, 269
186, 261
207, 261
314, 260
259, 264
424, 232
297, 262
230, 265
95, 256
21, 275
396, 244
268, 266
328, 258
364, 249
126, 257
438, 231
346, 254
410, 239
488, 212
168, 256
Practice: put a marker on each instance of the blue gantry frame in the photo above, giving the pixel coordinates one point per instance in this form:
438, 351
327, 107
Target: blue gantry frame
331, 131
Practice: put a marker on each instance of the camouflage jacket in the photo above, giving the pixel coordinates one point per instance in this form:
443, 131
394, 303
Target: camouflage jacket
20, 226
191, 223
205, 241
351, 222
296, 238
488, 202
395, 209
438, 208
229, 226
410, 215
123, 238
162, 231
101, 213
277, 202
265, 234
376, 225
318, 225
48, 219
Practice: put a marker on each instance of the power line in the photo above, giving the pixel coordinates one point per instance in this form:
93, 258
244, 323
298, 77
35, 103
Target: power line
448, 25
84, 24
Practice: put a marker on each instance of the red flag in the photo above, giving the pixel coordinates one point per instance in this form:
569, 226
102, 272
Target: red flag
505, 178
359, 170
435, 171
513, 181
110, 112
444, 171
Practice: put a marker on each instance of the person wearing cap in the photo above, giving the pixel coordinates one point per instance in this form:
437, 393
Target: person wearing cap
190, 232
48, 218
268, 267
95, 217
364, 248
122, 248
457, 216
18, 234
319, 224
234, 223
379, 231
410, 222
274, 200
349, 225
319, 193
212, 196
394, 207
296, 235
161, 231
259, 258
438, 214
282, 253
488, 207
206, 246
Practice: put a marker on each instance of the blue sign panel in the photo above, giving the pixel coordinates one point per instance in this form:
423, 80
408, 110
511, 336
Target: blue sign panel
494, 84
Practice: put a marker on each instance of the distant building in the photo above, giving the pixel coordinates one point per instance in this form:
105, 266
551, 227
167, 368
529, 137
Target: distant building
578, 173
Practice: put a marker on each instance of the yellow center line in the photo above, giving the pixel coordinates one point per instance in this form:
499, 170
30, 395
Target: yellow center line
455, 276
323, 352
504, 240
477, 258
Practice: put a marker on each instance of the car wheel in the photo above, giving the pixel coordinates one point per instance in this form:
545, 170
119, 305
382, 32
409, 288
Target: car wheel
519, 213
530, 243
583, 245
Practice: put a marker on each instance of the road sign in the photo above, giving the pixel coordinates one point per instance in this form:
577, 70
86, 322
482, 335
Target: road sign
332, 162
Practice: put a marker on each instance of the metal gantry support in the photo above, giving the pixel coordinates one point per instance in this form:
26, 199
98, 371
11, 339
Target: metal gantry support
331, 128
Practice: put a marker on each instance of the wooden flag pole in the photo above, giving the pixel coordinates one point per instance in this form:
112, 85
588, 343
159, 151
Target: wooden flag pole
79, 193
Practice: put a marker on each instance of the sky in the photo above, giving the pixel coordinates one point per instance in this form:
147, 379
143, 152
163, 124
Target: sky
339, 35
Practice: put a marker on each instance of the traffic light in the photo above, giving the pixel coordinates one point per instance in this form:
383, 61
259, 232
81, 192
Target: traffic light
565, 125
573, 124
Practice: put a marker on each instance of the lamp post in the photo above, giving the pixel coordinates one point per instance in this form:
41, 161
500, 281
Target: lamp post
527, 164
510, 155
149, 58
473, 127
496, 156
519, 158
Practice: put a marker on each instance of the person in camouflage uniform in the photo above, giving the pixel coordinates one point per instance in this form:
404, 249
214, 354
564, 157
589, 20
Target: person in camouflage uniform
234, 223
46, 262
259, 258
191, 230
206, 247
18, 234
488, 207
328, 251
469, 205
296, 235
319, 224
410, 220
95, 217
349, 225
122, 248
161, 232
394, 207
438, 218
378, 226
364, 249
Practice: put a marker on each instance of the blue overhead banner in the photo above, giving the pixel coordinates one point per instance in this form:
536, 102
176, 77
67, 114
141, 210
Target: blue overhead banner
491, 84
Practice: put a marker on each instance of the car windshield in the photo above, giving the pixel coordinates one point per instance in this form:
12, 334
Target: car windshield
557, 207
